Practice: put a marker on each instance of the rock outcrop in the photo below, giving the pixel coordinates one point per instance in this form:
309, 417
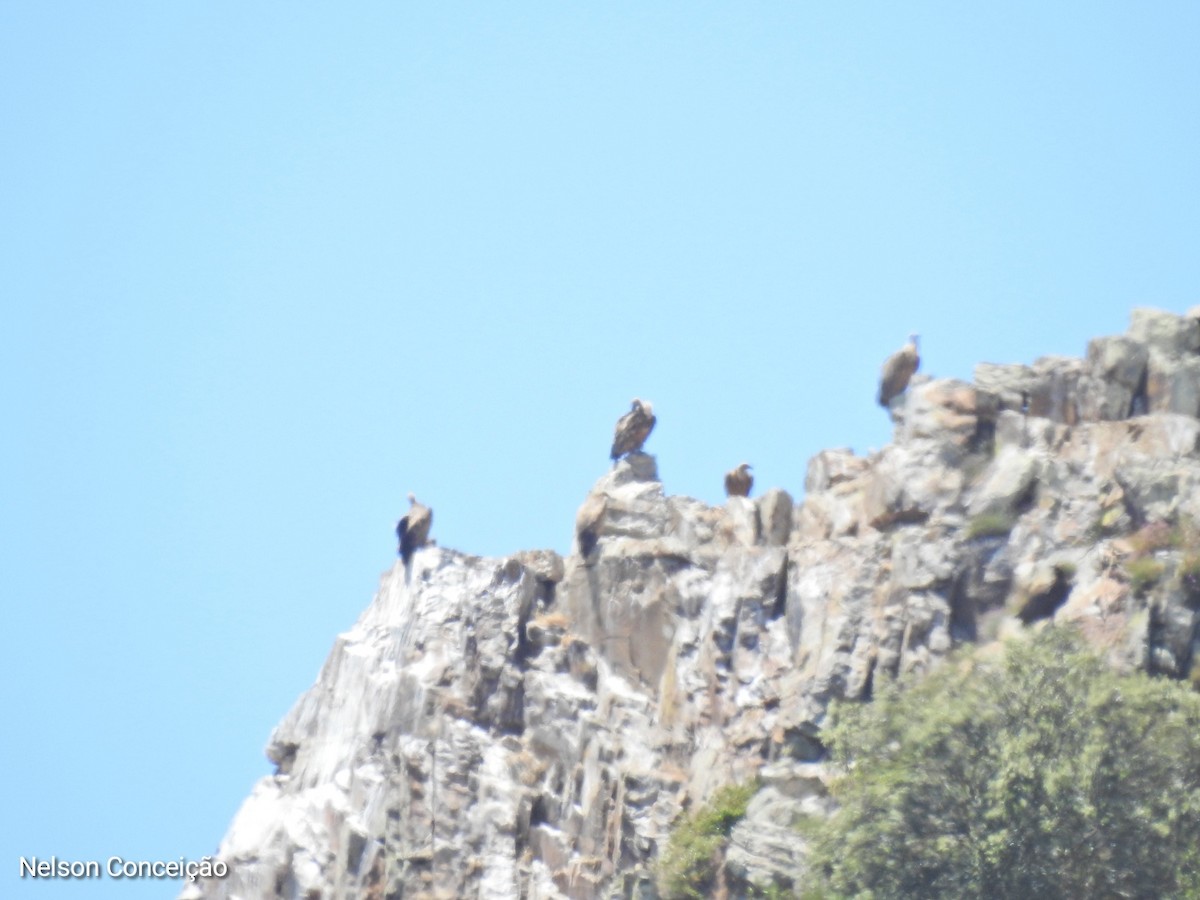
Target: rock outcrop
534, 726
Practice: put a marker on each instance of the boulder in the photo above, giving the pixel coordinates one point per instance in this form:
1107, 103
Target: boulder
1008, 483
1165, 332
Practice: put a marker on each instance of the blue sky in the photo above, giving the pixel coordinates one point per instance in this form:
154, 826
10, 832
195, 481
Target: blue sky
267, 267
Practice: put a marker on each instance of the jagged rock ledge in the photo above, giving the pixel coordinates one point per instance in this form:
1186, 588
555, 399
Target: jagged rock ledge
533, 726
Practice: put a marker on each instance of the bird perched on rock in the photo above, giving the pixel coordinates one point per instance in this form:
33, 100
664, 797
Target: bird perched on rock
739, 481
413, 529
897, 371
632, 429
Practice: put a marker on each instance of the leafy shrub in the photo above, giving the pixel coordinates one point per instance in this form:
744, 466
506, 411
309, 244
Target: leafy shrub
1143, 573
1189, 576
1109, 521
989, 525
1037, 772
689, 864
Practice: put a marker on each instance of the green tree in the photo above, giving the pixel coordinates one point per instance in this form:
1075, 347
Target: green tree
688, 869
1033, 773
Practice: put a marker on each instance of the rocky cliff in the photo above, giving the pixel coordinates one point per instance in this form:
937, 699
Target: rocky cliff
533, 726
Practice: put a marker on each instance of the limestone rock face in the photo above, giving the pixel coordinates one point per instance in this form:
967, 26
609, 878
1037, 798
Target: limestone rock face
766, 848
535, 726
1010, 478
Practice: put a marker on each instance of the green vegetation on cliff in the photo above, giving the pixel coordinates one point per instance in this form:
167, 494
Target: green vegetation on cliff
1037, 772
691, 862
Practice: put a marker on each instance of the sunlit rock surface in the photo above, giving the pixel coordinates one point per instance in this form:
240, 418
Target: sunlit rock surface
534, 726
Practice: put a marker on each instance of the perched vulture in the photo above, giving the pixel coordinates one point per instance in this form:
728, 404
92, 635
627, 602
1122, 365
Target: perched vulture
898, 369
739, 481
632, 429
413, 529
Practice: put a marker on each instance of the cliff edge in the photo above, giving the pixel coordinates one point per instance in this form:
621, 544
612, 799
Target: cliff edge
533, 726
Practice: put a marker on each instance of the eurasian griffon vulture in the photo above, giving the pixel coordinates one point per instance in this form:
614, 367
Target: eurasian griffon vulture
413, 529
897, 371
632, 429
739, 481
